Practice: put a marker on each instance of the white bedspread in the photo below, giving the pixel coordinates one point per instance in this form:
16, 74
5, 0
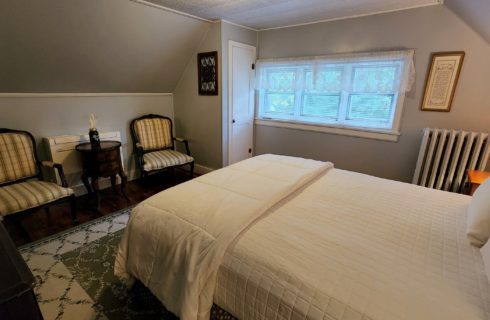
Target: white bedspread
175, 241
352, 246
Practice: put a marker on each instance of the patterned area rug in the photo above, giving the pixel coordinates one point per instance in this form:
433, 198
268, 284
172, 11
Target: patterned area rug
75, 276
93, 268
59, 293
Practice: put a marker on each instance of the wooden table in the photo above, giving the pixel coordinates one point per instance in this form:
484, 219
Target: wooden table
102, 162
475, 178
17, 298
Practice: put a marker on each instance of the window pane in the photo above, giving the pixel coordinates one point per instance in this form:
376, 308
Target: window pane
281, 80
374, 79
279, 103
316, 105
327, 80
371, 107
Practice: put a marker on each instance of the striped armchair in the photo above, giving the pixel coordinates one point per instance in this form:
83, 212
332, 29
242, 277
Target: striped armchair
22, 189
154, 145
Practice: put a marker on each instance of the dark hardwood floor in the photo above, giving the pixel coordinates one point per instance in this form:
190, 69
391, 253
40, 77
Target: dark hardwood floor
41, 224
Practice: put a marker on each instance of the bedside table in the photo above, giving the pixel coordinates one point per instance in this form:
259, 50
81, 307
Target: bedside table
102, 162
475, 178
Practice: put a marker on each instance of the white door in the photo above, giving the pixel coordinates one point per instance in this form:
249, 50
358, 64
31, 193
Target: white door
240, 101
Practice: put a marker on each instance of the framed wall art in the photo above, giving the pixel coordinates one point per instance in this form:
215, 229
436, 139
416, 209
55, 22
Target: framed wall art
442, 80
207, 69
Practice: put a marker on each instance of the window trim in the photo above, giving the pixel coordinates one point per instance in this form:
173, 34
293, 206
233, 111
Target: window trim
368, 133
389, 134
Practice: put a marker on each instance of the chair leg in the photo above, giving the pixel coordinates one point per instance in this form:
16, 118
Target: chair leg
73, 208
192, 170
48, 214
20, 227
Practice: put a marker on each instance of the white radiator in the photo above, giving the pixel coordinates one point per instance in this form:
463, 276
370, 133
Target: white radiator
445, 155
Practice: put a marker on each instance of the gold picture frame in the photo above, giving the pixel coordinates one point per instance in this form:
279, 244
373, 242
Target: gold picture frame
442, 80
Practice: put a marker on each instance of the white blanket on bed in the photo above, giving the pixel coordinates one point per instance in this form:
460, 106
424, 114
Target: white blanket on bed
356, 247
175, 241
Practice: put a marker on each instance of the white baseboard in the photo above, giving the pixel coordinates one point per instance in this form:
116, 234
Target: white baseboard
200, 169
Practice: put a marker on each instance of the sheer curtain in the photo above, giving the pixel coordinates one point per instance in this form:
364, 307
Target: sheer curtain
268, 71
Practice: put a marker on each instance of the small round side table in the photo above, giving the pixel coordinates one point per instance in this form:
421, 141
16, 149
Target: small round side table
102, 162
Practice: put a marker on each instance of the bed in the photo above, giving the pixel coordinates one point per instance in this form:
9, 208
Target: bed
277, 237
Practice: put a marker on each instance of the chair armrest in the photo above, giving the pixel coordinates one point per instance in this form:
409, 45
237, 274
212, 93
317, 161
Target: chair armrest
59, 168
186, 143
138, 150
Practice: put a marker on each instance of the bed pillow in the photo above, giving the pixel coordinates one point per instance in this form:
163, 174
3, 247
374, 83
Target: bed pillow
478, 223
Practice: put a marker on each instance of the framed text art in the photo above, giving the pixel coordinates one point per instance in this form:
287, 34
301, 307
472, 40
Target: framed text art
207, 73
442, 80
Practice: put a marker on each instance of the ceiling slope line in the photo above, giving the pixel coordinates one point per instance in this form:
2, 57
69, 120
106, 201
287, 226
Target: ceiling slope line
439, 2
470, 20
157, 6
238, 25
192, 57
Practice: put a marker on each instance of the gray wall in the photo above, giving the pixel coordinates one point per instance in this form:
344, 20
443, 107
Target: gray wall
93, 46
202, 119
122, 46
48, 116
198, 118
474, 12
238, 34
426, 30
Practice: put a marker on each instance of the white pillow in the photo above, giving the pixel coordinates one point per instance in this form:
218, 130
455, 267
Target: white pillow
478, 223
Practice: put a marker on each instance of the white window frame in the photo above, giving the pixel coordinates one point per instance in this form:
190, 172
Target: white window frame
343, 128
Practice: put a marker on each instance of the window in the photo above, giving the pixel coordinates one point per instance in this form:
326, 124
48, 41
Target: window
361, 91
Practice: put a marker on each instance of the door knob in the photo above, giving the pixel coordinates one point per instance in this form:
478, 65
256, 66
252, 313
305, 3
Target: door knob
233, 121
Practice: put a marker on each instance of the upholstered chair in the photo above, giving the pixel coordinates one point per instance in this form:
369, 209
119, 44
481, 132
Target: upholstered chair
154, 145
22, 188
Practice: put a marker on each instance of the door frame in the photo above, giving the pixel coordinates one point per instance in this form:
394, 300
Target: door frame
232, 44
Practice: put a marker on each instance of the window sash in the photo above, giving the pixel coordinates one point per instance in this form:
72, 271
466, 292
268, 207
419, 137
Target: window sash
269, 93
306, 95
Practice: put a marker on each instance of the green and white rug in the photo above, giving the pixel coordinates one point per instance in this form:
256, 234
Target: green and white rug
74, 271
75, 278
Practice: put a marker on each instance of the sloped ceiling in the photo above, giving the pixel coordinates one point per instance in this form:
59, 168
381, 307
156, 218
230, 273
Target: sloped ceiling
263, 14
124, 46
475, 13
93, 46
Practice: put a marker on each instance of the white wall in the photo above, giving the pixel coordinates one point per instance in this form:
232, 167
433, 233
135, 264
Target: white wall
45, 116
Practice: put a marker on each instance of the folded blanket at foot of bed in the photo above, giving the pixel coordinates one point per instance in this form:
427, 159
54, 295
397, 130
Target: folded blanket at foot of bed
175, 241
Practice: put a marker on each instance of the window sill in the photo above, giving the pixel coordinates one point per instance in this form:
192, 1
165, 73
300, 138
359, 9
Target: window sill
376, 134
